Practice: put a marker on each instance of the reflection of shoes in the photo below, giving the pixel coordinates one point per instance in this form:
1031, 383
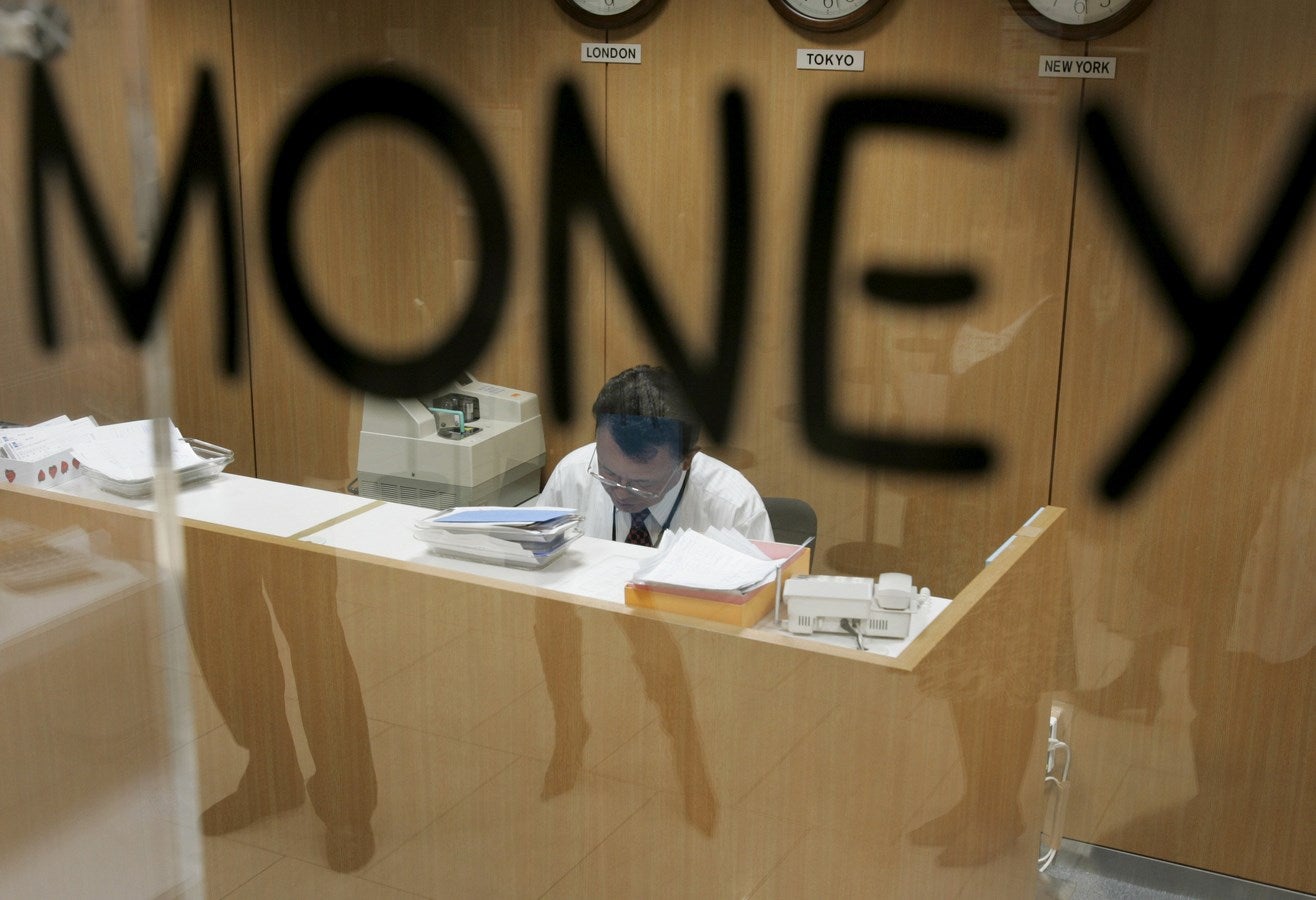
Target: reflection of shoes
969, 837
568, 756
700, 803
938, 831
348, 847
980, 842
977, 846
1121, 699
701, 810
250, 802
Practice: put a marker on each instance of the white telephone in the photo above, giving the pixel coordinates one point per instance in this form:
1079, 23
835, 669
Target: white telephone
848, 604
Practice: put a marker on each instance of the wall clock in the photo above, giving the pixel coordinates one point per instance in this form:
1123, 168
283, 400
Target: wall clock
1079, 20
827, 15
608, 13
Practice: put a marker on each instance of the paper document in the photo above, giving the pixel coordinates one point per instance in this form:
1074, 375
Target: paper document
478, 516
688, 559
123, 451
34, 442
529, 537
502, 515
736, 541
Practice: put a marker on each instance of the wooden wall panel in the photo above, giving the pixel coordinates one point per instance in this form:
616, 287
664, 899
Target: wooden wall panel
917, 201
666, 156
97, 373
1193, 599
384, 226
209, 403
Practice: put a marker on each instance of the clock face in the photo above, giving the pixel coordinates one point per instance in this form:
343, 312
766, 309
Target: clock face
608, 13
827, 15
1079, 19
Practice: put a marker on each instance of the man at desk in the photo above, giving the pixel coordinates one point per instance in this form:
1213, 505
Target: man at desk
645, 475
642, 476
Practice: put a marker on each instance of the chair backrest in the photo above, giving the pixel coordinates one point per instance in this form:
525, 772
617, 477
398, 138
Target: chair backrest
793, 520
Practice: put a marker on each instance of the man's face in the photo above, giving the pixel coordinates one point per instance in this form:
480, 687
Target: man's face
656, 475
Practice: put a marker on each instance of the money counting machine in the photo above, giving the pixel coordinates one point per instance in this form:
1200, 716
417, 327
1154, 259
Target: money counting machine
473, 444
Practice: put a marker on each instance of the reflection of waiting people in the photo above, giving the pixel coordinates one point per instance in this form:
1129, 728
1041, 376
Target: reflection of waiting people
1275, 619
233, 638
643, 475
994, 690
1251, 655
996, 678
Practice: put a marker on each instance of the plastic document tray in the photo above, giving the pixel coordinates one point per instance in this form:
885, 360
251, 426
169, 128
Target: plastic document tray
744, 610
214, 460
528, 552
513, 556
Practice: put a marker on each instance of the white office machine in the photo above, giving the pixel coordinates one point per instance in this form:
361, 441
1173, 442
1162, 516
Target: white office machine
847, 604
473, 444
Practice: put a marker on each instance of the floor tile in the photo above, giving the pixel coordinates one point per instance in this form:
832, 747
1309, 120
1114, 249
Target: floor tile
504, 841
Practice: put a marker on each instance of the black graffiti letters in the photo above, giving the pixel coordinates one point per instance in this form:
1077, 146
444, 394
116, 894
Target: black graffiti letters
387, 96
1212, 319
202, 163
845, 120
577, 185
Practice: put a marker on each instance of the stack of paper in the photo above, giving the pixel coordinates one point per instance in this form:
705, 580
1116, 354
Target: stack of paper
119, 458
42, 455
35, 442
122, 452
526, 537
717, 560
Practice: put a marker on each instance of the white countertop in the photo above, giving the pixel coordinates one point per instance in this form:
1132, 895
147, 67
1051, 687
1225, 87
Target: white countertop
591, 567
252, 504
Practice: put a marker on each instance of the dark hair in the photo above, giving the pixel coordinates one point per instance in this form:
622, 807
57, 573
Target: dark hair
644, 409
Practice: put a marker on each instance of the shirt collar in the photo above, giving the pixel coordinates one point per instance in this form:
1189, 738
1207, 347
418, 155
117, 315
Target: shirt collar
658, 512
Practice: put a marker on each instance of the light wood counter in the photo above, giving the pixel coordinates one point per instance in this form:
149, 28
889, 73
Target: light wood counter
520, 748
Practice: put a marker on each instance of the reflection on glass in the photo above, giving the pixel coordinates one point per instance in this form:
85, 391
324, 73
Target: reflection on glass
85, 732
992, 679
232, 635
658, 660
1225, 625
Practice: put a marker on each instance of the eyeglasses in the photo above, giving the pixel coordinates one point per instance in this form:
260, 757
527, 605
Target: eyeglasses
643, 490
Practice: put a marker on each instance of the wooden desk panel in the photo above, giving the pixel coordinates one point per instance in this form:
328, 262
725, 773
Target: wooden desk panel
529, 749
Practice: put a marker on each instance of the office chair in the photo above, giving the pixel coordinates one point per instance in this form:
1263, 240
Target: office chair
793, 521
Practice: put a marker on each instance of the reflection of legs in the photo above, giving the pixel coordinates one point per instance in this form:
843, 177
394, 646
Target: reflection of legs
658, 660
1137, 688
343, 789
987, 820
1252, 737
558, 634
234, 644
